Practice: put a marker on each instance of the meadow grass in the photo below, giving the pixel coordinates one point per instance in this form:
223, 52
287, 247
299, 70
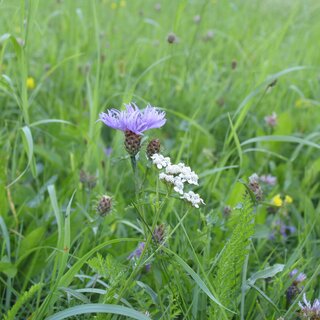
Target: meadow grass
62, 63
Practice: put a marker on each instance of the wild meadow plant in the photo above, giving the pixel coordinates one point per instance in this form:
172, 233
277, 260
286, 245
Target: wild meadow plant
133, 122
209, 209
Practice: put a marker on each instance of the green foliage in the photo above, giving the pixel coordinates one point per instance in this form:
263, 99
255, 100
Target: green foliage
232, 257
21, 301
108, 268
235, 62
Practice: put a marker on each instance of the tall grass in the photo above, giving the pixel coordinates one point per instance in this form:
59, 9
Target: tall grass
242, 61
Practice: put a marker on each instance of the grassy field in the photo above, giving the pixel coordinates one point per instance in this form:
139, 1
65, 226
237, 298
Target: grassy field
240, 84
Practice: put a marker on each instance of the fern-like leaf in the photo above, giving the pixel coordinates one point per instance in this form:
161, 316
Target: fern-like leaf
11, 315
232, 258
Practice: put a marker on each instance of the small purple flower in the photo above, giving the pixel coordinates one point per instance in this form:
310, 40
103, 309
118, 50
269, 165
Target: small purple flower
107, 151
308, 310
137, 252
133, 119
280, 228
286, 230
271, 120
269, 179
298, 278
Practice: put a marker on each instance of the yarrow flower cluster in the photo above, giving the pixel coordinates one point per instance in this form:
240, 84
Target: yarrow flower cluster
177, 175
194, 198
308, 310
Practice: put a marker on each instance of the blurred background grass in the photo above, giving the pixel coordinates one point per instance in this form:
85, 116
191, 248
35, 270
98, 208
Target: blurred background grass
87, 56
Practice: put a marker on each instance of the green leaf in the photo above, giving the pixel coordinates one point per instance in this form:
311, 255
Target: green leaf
32, 239
98, 308
196, 278
282, 139
28, 145
263, 274
8, 268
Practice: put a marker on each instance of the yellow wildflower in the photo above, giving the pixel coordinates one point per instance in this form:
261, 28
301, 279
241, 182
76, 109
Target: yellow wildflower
277, 201
31, 83
113, 6
122, 3
288, 199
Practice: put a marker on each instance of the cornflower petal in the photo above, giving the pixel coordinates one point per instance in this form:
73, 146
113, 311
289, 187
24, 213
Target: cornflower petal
134, 119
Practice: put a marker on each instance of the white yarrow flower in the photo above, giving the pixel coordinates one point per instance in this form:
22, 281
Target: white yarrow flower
160, 161
193, 198
177, 175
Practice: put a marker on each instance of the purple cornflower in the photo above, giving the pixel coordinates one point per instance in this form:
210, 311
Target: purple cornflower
308, 310
269, 179
133, 119
271, 120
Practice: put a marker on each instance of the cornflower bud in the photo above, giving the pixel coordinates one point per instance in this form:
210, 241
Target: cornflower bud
104, 205
153, 147
132, 142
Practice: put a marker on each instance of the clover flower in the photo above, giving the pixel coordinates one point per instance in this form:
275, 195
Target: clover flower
271, 120
300, 277
178, 175
269, 179
133, 122
308, 310
294, 288
255, 187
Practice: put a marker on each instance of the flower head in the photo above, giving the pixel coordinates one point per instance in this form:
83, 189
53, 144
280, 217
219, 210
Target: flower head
269, 179
160, 161
277, 201
178, 175
271, 120
308, 310
153, 147
298, 278
104, 205
133, 119
288, 199
255, 187
193, 198
135, 254
31, 83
